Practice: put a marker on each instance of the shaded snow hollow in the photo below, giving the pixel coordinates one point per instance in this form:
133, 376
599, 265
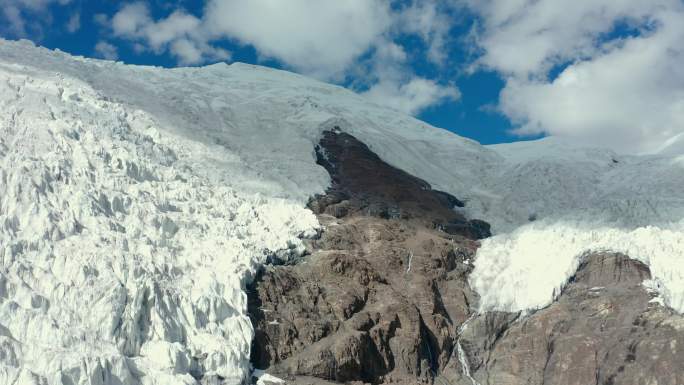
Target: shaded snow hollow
135, 202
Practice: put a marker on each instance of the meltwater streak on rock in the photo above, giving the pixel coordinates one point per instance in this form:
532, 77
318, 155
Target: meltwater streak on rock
462, 357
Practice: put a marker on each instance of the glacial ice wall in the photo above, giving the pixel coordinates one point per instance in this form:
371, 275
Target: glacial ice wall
526, 269
123, 252
570, 200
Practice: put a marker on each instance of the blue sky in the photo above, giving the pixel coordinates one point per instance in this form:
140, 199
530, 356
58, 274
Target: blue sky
466, 116
492, 70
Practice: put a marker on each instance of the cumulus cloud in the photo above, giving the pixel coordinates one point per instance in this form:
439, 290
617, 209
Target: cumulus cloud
411, 96
106, 50
18, 17
317, 37
74, 23
180, 33
432, 21
131, 19
393, 84
526, 37
613, 88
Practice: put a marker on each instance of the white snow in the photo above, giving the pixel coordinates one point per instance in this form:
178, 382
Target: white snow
264, 378
123, 249
526, 269
584, 200
136, 202
555, 179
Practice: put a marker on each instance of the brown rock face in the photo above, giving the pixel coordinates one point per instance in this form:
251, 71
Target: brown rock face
383, 297
601, 330
364, 185
383, 292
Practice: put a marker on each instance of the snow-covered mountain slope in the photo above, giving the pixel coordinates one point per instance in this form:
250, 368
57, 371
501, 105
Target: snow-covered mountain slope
579, 199
553, 178
124, 250
264, 123
136, 201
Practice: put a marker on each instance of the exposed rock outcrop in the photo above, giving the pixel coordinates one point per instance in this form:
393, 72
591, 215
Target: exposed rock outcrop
383, 297
383, 292
364, 185
603, 329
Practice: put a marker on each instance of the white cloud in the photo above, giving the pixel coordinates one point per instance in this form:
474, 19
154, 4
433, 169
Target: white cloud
106, 50
17, 17
169, 29
101, 19
180, 33
317, 37
131, 20
74, 23
192, 52
617, 91
430, 20
14, 21
393, 84
527, 37
411, 96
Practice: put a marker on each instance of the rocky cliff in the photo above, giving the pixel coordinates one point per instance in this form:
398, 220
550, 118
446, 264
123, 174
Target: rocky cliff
383, 297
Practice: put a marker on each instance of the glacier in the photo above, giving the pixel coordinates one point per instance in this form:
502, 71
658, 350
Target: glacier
525, 270
136, 202
124, 250
580, 200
